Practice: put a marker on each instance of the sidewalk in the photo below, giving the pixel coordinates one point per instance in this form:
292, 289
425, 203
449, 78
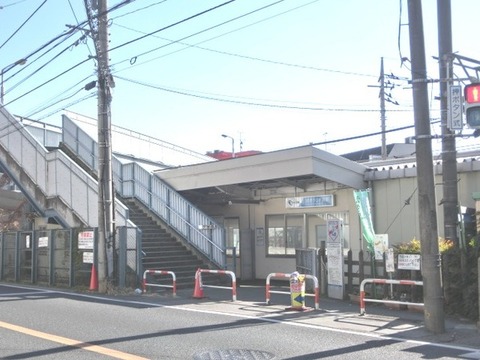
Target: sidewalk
333, 313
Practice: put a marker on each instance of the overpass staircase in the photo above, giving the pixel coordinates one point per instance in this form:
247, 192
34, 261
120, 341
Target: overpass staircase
57, 186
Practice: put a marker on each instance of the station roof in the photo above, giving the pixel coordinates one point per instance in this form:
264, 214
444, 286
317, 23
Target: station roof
236, 179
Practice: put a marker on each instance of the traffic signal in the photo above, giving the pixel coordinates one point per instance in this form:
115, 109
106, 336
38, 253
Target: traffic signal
472, 105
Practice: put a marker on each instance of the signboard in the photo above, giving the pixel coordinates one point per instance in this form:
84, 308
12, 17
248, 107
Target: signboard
380, 245
260, 236
85, 240
87, 257
335, 265
43, 241
333, 228
309, 201
389, 261
455, 108
409, 262
335, 258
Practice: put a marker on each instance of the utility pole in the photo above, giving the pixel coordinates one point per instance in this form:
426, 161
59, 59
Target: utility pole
383, 98
449, 153
382, 111
97, 15
432, 290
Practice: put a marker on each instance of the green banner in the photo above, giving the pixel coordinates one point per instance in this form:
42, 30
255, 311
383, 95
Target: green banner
362, 201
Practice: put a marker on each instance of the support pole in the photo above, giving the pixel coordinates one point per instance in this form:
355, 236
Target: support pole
449, 152
105, 176
433, 294
383, 119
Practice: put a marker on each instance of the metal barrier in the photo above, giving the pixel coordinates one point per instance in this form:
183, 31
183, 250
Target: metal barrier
160, 272
268, 291
222, 272
385, 281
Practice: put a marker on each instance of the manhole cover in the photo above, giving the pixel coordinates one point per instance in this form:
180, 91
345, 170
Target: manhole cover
234, 354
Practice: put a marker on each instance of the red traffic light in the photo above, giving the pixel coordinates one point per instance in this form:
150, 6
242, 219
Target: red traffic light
472, 93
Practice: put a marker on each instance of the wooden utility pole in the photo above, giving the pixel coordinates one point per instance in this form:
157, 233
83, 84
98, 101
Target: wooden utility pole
431, 261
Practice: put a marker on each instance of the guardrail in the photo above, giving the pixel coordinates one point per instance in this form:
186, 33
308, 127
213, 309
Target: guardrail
199, 285
286, 276
386, 301
160, 272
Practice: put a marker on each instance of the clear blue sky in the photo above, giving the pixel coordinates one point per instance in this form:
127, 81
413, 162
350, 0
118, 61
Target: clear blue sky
275, 74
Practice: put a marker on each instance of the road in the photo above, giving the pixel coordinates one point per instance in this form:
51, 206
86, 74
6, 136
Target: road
50, 324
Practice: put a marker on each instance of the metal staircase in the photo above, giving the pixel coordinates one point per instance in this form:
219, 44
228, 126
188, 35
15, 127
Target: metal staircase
162, 250
160, 203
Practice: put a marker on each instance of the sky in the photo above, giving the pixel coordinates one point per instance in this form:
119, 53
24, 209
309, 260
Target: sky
269, 74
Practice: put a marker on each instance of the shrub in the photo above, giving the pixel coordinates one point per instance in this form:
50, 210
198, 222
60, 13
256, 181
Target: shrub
413, 246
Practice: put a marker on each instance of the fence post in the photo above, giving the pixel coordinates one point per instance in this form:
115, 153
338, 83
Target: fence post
361, 268
350, 272
122, 256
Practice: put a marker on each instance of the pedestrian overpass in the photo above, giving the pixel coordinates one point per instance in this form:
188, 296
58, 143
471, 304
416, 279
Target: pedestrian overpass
55, 170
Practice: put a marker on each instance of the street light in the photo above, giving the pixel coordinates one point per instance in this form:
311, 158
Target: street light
233, 144
6, 69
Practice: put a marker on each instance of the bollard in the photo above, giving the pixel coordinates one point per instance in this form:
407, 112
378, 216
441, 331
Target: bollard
297, 291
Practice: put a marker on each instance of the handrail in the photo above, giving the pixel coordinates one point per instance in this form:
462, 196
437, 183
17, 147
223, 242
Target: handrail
132, 180
55, 176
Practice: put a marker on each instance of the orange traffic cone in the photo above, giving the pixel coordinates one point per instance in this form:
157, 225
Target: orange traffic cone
93, 279
198, 290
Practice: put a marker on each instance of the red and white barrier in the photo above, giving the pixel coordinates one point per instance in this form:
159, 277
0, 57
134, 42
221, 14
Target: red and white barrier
160, 272
286, 276
200, 285
385, 281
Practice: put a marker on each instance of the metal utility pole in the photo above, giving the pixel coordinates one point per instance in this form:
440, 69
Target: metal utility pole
449, 153
97, 15
433, 293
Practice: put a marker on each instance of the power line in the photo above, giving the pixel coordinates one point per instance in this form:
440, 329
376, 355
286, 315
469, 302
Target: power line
172, 25
73, 29
26, 21
275, 62
75, 43
178, 92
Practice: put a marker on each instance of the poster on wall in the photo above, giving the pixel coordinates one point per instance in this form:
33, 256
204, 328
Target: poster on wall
335, 258
260, 236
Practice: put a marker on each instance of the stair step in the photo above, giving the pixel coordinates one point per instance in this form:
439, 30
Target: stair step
163, 251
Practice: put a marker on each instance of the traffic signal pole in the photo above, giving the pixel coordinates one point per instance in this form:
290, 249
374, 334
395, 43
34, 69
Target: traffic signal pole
431, 262
449, 152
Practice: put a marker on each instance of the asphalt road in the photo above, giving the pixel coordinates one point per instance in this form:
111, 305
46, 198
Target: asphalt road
49, 324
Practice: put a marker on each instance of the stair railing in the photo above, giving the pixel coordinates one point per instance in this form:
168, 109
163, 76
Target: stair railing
51, 174
132, 180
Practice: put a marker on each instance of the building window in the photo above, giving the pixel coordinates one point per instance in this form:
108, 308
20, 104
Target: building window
232, 235
285, 234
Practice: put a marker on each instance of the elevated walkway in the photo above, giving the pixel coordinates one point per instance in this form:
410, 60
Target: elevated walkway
47, 178
60, 183
132, 180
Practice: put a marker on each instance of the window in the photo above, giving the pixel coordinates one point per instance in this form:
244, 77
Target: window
232, 235
285, 234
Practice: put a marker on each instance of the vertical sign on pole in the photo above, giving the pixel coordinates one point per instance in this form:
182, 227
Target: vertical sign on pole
455, 108
335, 258
390, 266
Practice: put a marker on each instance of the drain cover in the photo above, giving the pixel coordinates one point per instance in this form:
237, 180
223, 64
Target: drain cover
234, 354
